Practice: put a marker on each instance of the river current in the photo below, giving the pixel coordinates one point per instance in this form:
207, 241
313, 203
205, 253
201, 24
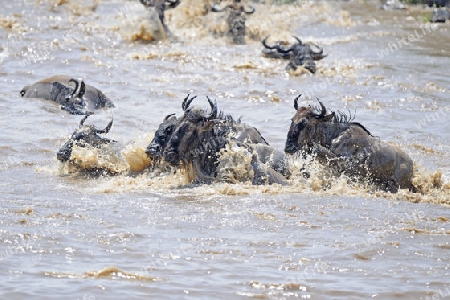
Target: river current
142, 235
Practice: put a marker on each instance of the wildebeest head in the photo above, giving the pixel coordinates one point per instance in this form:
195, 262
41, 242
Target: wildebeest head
301, 132
83, 136
299, 54
162, 136
184, 144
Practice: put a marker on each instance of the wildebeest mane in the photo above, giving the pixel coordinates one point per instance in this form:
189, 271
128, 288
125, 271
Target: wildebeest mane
342, 117
196, 115
339, 117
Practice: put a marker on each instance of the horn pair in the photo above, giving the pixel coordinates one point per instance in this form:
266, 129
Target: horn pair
187, 102
278, 45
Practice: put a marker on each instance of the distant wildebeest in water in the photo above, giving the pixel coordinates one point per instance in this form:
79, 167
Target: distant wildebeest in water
200, 141
438, 3
236, 20
160, 7
84, 136
73, 95
348, 148
440, 15
299, 54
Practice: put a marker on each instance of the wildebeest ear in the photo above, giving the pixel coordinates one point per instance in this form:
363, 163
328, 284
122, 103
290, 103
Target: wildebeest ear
328, 117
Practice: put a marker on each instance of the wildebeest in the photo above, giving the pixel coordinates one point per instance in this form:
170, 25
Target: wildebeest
440, 15
299, 54
77, 99
160, 7
348, 147
200, 140
236, 20
85, 135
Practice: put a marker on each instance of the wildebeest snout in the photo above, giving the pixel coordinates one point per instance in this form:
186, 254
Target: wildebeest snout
154, 150
65, 152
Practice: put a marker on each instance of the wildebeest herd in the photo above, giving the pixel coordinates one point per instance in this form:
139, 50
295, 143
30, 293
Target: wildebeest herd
201, 141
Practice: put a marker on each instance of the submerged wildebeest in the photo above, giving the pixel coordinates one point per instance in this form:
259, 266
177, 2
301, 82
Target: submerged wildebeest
299, 54
84, 136
160, 7
348, 147
79, 99
236, 20
200, 139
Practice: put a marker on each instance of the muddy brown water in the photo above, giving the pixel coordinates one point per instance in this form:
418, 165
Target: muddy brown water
149, 235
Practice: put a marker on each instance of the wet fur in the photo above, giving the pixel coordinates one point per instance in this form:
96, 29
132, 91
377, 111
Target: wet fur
348, 148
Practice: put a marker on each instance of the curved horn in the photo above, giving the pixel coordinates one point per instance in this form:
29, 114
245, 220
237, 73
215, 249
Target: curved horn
296, 102
187, 102
213, 113
265, 44
324, 110
77, 86
107, 128
85, 117
299, 40
168, 116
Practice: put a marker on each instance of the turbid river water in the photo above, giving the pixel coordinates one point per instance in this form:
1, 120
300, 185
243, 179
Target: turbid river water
147, 235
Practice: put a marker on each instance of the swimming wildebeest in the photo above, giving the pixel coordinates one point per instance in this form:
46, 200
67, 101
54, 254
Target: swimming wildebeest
299, 54
348, 147
440, 15
236, 20
72, 94
160, 7
84, 136
200, 140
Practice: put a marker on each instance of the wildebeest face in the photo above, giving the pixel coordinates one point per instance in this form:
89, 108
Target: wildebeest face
185, 139
162, 136
302, 126
85, 135
299, 54
178, 143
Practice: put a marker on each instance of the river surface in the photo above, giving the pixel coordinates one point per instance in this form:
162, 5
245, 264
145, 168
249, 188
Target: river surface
147, 235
